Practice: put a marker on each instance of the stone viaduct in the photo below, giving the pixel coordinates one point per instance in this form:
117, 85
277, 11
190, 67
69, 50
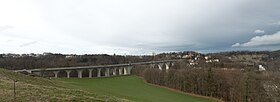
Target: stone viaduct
108, 70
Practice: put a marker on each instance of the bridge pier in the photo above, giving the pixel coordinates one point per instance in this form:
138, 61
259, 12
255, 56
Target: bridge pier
124, 71
167, 66
172, 63
152, 65
80, 73
55, 73
68, 73
90, 73
98, 72
114, 71
120, 71
160, 65
107, 72
127, 70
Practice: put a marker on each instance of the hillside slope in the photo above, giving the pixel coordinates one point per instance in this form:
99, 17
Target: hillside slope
30, 89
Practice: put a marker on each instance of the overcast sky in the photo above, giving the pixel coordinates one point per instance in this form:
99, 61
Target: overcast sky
138, 26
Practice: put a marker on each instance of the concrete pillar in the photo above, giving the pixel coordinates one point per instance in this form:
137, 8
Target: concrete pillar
160, 65
152, 65
125, 71
129, 70
80, 73
90, 73
167, 66
107, 72
55, 73
120, 71
98, 72
172, 64
68, 73
114, 71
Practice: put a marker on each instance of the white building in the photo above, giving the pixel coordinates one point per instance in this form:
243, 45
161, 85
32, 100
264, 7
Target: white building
261, 68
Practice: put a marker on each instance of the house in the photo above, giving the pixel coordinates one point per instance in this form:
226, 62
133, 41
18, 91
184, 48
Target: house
261, 68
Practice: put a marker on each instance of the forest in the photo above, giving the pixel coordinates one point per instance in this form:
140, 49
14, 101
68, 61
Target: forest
247, 85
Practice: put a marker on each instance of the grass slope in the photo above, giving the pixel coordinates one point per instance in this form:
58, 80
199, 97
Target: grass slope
34, 89
132, 88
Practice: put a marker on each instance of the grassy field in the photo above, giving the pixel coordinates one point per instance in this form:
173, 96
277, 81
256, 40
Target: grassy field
131, 88
35, 89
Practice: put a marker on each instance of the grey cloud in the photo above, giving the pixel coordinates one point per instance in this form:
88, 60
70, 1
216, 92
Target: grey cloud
258, 31
236, 45
166, 47
265, 40
125, 23
28, 44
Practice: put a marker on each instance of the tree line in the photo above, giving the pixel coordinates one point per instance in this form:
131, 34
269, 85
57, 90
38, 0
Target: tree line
246, 85
60, 60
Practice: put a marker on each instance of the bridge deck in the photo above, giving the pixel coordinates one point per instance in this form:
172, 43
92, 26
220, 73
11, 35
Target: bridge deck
99, 66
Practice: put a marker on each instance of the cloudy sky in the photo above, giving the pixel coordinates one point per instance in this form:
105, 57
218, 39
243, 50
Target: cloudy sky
138, 26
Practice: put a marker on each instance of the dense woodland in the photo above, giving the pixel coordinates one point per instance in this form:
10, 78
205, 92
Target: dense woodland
247, 85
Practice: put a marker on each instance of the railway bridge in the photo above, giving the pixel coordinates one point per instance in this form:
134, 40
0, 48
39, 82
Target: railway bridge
100, 70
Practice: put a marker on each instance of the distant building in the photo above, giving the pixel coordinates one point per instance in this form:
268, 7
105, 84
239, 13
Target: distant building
186, 56
179, 56
196, 58
261, 68
192, 63
208, 61
206, 57
212, 60
70, 56
216, 60
47, 53
224, 69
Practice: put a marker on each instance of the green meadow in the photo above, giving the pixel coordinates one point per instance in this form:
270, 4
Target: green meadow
132, 88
